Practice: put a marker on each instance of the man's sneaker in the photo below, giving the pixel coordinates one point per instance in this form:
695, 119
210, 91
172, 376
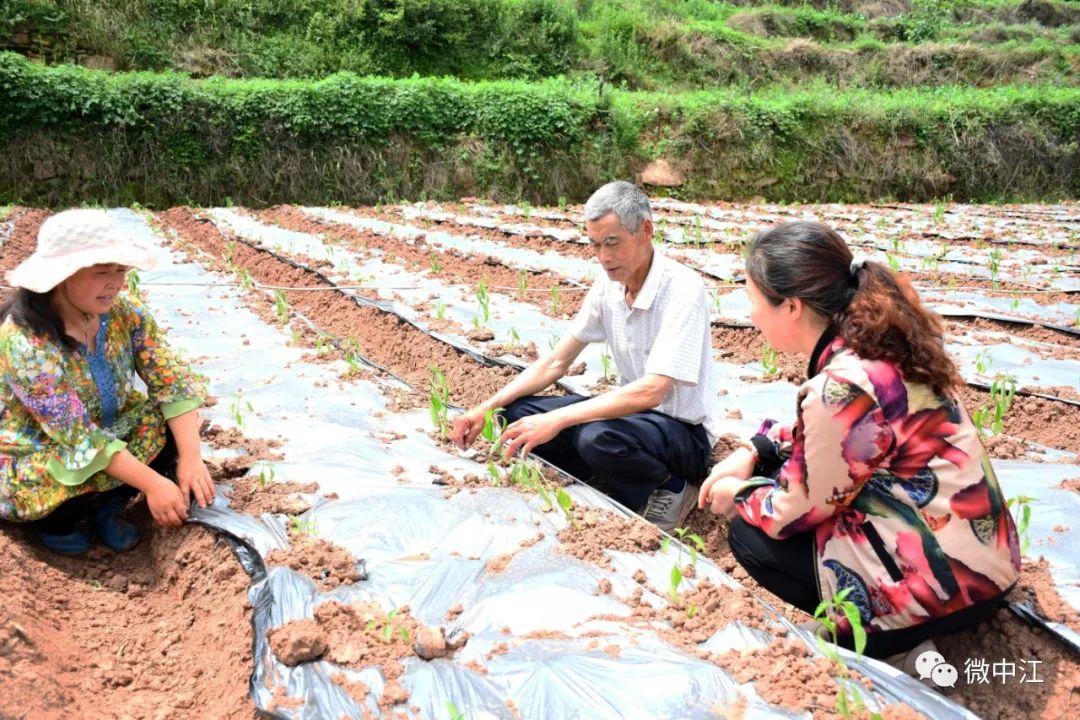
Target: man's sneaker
667, 510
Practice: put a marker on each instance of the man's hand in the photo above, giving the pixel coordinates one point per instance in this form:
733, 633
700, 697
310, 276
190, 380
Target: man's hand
528, 432
466, 427
194, 479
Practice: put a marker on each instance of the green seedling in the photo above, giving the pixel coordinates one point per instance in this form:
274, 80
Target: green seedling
239, 409
605, 362
302, 527
1076, 320
566, 504
439, 401
995, 267
526, 208
894, 263
483, 302
452, 711
1015, 304
526, 475
939, 212
556, 300
826, 613
494, 424
1023, 523
1002, 394
983, 361
266, 474
323, 344
281, 307
562, 204
522, 283
981, 420
515, 339
770, 361
716, 301
133, 281
229, 254
699, 235
351, 350
440, 310
436, 266
697, 545
246, 281
553, 341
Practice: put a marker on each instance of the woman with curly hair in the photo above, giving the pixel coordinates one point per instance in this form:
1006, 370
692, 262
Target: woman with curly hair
78, 437
882, 487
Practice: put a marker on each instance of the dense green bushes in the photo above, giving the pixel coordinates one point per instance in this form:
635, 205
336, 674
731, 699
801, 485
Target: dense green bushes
72, 134
639, 44
310, 38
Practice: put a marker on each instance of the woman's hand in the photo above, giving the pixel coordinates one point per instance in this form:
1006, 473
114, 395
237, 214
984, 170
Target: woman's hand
718, 493
740, 464
194, 479
168, 504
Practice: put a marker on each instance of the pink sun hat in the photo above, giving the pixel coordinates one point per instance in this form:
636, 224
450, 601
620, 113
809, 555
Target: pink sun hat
75, 239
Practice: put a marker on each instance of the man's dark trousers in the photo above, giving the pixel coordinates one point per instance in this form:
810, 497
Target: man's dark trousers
628, 457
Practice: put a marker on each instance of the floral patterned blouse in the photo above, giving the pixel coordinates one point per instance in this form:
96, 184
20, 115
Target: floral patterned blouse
64, 414
893, 481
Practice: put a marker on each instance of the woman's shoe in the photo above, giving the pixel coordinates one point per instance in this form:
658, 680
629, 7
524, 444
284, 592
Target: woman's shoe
76, 542
116, 532
909, 663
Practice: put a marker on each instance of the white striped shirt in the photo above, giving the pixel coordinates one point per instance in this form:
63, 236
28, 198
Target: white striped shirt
665, 332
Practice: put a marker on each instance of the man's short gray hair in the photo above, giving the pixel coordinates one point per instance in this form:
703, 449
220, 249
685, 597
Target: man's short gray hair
624, 199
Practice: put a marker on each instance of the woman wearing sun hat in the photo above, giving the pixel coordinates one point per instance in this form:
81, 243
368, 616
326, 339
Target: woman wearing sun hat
78, 438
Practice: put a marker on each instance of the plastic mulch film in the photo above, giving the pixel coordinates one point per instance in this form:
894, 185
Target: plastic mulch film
430, 552
1052, 507
401, 292
572, 268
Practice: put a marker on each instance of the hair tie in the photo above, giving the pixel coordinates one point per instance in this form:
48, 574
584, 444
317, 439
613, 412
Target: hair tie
856, 266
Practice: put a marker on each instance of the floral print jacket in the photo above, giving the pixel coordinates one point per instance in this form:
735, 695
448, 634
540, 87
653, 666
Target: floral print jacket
63, 414
893, 481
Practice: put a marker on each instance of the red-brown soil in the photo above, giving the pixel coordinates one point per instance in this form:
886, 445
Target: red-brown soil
160, 632
454, 266
327, 564
1006, 637
359, 635
22, 241
595, 531
380, 336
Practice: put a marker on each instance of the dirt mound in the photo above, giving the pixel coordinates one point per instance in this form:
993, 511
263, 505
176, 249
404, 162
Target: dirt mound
328, 565
600, 530
163, 631
359, 635
254, 496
